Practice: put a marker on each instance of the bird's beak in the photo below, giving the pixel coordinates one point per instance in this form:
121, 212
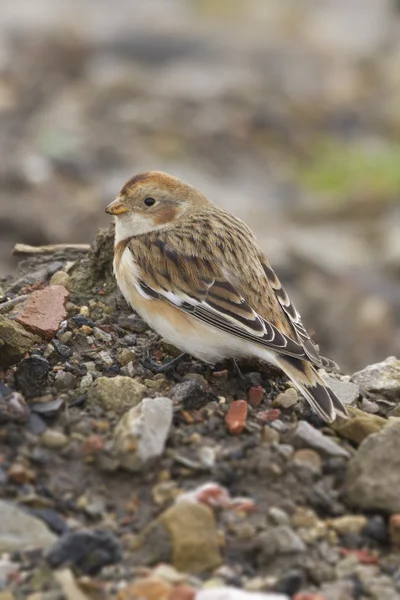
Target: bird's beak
116, 207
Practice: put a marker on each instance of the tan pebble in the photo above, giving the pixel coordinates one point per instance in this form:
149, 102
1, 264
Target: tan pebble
348, 523
309, 459
61, 278
52, 438
19, 473
101, 426
304, 517
65, 337
286, 399
154, 385
125, 356
84, 311
86, 330
182, 592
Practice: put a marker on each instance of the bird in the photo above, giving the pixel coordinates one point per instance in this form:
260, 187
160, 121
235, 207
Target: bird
196, 274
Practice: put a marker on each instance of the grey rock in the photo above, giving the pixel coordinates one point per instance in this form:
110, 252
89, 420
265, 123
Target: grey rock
144, 428
373, 474
306, 436
15, 342
101, 335
231, 593
21, 531
48, 409
279, 540
193, 393
348, 392
381, 379
118, 393
64, 380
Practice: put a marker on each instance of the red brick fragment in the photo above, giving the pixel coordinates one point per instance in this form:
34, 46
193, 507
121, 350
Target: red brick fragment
255, 395
93, 444
236, 416
364, 556
44, 310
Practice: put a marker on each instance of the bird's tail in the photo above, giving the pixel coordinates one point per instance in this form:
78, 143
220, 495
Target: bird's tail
321, 398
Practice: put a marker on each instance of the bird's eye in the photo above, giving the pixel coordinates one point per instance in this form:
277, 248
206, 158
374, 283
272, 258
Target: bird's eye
149, 201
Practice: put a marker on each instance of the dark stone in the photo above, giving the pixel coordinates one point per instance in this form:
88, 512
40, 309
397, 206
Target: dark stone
63, 350
82, 320
134, 324
193, 393
377, 530
32, 375
89, 551
52, 519
252, 379
291, 582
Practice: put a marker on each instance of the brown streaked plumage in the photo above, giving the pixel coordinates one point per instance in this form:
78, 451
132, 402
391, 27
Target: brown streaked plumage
195, 273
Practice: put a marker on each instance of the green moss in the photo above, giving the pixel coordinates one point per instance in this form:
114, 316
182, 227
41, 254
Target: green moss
352, 170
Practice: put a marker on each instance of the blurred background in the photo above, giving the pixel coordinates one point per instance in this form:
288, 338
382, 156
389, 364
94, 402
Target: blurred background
287, 113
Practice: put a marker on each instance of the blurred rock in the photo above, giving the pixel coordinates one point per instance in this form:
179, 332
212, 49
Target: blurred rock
31, 376
21, 532
142, 432
359, 426
373, 473
306, 436
381, 379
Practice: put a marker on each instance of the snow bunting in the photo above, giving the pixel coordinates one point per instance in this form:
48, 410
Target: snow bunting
196, 275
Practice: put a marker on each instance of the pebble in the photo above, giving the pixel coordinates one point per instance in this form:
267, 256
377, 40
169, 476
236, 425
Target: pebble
348, 524
13, 408
277, 541
48, 409
44, 310
61, 278
15, 341
373, 473
142, 432
286, 399
236, 416
86, 381
380, 379
117, 393
101, 335
61, 349
308, 459
191, 532
193, 393
64, 380
52, 438
89, 551
65, 337
278, 516
81, 320
359, 426
31, 376
106, 358
306, 436
36, 424
125, 356
255, 395
149, 588
20, 531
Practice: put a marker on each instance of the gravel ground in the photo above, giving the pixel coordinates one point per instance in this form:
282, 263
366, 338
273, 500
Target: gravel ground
117, 482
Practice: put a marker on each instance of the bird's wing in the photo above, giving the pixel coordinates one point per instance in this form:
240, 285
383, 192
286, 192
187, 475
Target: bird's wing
293, 316
198, 287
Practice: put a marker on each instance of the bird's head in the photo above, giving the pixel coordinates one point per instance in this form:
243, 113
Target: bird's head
151, 201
